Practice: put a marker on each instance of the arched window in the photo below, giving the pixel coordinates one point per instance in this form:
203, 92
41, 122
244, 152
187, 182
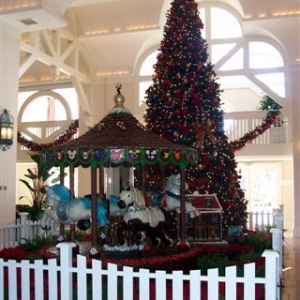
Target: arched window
256, 66
263, 55
44, 115
145, 73
220, 19
147, 66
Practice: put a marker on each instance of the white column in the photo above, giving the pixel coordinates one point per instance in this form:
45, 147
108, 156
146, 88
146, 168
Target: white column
112, 182
9, 85
295, 99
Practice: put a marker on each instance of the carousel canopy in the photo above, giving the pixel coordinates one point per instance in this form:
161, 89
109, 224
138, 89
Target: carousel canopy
119, 139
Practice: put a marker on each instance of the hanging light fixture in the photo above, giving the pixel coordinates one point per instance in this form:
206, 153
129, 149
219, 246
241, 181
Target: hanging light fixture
6, 130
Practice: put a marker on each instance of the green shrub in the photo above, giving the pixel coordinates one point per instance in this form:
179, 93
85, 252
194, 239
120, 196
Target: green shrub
37, 242
260, 240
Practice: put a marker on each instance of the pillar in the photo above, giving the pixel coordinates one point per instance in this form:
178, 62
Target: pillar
294, 89
9, 85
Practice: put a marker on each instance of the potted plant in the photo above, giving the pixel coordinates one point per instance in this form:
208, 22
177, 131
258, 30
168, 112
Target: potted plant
37, 179
277, 130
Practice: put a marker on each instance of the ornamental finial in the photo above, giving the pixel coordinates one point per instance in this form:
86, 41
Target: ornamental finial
118, 87
119, 98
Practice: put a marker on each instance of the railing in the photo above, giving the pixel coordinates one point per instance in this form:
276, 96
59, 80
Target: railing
113, 282
23, 228
261, 220
147, 282
14, 234
237, 124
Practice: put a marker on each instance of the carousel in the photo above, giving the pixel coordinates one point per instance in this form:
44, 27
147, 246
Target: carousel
112, 149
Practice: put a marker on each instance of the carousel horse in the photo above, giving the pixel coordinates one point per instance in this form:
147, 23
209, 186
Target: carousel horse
110, 203
140, 218
114, 208
171, 198
67, 210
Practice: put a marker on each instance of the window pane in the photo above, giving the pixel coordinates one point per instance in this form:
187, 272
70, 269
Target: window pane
48, 108
202, 17
264, 55
275, 81
69, 94
224, 24
144, 85
147, 66
235, 62
232, 84
218, 51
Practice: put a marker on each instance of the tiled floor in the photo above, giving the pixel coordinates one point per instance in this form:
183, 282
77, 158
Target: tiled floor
291, 267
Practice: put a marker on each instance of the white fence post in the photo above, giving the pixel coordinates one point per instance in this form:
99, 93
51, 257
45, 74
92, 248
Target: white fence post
277, 245
278, 217
272, 285
250, 218
24, 231
65, 269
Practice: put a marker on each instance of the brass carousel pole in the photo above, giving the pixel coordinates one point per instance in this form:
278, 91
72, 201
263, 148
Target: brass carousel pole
101, 188
94, 205
143, 180
61, 181
72, 194
182, 231
101, 181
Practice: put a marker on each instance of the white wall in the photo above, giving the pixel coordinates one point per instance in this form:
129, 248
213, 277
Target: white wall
9, 70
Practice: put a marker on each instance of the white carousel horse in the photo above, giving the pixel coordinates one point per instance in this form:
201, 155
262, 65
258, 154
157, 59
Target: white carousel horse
67, 210
47, 220
139, 217
171, 198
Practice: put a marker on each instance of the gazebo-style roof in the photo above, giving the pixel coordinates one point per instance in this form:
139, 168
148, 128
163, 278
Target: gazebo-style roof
119, 139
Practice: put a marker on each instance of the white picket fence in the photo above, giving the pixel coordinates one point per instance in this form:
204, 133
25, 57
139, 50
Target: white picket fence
66, 281
95, 282
14, 234
261, 220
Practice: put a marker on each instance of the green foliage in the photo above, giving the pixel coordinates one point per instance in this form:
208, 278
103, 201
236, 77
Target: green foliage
79, 235
35, 213
37, 242
37, 179
248, 257
267, 103
214, 260
236, 254
261, 240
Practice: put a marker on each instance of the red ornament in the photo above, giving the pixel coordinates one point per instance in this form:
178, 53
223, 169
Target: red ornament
183, 245
146, 248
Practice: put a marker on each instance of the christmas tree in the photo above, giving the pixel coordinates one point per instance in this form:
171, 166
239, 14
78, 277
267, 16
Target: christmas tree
184, 107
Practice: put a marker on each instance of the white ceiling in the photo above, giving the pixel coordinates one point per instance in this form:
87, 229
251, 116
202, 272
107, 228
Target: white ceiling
116, 33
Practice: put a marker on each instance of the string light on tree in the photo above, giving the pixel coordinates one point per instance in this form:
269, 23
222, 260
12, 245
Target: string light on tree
184, 106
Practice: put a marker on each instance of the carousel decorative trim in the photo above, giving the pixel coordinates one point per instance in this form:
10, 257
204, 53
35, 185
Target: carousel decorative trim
118, 156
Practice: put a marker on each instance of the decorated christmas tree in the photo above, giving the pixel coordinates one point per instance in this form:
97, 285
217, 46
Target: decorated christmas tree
184, 106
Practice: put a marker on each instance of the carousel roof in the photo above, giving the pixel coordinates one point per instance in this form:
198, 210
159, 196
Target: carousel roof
119, 139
